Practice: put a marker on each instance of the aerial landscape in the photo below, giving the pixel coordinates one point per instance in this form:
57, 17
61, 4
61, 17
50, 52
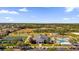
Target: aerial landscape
39, 29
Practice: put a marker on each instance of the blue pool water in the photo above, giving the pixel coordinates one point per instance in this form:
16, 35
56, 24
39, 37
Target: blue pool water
62, 40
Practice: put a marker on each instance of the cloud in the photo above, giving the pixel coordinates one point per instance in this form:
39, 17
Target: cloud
69, 9
66, 19
8, 12
9, 19
77, 15
23, 10
69, 18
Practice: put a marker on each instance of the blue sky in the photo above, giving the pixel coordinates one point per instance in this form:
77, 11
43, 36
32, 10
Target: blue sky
39, 15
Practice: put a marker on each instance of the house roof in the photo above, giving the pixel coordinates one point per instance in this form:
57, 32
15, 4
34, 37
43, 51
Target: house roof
40, 38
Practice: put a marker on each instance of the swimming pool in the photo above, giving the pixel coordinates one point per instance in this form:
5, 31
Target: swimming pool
61, 40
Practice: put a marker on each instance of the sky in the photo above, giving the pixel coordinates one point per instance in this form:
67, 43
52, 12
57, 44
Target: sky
39, 15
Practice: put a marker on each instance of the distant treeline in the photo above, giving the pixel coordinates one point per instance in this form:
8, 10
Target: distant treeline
54, 27
39, 25
7, 28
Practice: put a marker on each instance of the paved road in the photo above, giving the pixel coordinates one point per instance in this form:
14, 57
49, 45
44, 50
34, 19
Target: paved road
37, 49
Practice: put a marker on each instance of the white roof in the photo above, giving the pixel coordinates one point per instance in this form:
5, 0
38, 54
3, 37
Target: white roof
66, 43
77, 33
